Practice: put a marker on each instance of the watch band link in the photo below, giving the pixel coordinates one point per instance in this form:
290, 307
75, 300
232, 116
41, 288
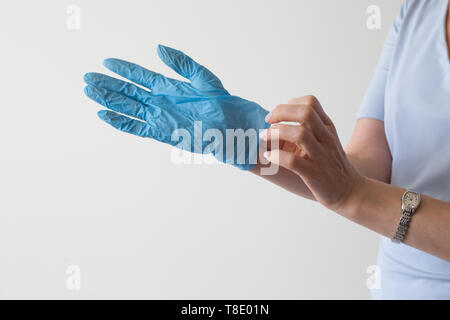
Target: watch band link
402, 227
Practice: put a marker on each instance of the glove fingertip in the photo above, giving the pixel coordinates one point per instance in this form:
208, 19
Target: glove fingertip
103, 114
87, 77
165, 49
86, 90
110, 63
176, 60
160, 48
163, 54
93, 91
110, 117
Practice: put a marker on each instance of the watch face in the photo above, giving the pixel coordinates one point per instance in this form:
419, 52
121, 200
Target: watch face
411, 199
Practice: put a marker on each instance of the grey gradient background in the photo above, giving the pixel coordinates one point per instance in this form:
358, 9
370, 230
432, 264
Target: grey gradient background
73, 191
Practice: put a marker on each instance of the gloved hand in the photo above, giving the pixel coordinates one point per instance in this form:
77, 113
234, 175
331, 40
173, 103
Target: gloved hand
200, 113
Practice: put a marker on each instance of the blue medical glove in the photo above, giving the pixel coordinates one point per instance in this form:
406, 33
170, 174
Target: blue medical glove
198, 116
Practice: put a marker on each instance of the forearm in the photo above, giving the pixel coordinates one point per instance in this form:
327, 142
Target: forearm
377, 206
368, 150
291, 182
287, 180
371, 167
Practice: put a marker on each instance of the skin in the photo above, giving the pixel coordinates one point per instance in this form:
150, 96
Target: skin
354, 182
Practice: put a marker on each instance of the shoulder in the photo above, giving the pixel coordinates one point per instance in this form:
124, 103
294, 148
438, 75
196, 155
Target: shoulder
418, 12
421, 6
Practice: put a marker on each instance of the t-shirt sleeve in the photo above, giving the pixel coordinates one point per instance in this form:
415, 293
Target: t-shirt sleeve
372, 105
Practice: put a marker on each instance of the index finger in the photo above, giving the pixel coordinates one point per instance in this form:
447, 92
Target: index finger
314, 102
156, 82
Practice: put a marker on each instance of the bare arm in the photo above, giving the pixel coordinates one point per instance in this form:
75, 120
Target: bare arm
377, 206
367, 150
354, 183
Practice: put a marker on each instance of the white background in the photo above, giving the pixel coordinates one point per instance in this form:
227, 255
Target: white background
73, 191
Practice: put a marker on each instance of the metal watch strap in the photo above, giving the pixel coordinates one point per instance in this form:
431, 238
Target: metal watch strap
402, 226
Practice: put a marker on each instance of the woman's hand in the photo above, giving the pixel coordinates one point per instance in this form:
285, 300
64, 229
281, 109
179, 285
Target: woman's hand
312, 150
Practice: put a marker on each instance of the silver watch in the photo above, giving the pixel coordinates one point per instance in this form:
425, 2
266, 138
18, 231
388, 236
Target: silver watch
410, 203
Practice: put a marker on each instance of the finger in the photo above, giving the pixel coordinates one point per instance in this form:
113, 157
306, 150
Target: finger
128, 125
289, 161
121, 103
156, 82
298, 135
112, 84
303, 114
133, 92
200, 77
314, 102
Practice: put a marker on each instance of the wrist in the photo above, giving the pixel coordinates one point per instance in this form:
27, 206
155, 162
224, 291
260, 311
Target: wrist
351, 208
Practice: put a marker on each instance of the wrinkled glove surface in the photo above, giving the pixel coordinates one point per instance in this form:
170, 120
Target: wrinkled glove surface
170, 109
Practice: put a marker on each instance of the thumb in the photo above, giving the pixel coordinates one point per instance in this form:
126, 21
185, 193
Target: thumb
200, 77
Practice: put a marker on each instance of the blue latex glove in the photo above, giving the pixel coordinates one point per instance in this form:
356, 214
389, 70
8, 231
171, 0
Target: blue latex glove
189, 115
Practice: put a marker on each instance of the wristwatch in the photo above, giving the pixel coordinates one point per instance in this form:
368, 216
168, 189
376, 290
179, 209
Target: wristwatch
410, 203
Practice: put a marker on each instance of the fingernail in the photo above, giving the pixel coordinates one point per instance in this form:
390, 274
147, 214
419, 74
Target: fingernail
263, 134
302, 153
268, 117
267, 155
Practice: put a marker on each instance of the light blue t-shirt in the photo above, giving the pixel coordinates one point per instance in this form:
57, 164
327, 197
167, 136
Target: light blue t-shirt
410, 92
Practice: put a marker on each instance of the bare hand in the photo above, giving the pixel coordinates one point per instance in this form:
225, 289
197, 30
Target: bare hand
312, 150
